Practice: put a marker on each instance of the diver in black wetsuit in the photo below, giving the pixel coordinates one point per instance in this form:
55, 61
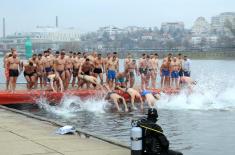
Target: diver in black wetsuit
154, 141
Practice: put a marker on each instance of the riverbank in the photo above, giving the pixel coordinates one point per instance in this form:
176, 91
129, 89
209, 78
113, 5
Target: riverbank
22, 135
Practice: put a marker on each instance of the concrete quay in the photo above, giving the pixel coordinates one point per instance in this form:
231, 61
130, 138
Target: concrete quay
22, 135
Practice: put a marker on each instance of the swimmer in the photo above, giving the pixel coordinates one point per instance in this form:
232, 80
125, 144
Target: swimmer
55, 78
150, 97
77, 61
14, 66
120, 79
133, 94
113, 96
89, 79
175, 68
99, 67
85, 68
30, 74
68, 69
165, 73
185, 80
59, 66
131, 70
6, 66
143, 70
112, 66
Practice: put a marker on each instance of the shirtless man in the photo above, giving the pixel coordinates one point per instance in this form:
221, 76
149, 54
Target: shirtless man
165, 73
30, 74
90, 79
114, 97
131, 71
106, 60
92, 56
99, 67
47, 65
134, 94
112, 66
143, 70
150, 98
40, 73
34, 60
85, 69
153, 69
150, 71
76, 65
127, 61
120, 78
59, 67
6, 66
180, 60
68, 69
174, 68
55, 78
57, 54
14, 64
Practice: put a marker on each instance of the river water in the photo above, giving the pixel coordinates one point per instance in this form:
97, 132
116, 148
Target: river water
201, 123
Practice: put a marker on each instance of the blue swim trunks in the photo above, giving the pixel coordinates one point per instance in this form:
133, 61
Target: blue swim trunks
48, 69
165, 72
175, 74
187, 73
111, 74
144, 92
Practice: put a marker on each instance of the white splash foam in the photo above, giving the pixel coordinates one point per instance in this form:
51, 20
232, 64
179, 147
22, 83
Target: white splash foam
70, 105
200, 99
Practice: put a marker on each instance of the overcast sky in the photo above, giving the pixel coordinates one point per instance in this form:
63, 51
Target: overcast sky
89, 15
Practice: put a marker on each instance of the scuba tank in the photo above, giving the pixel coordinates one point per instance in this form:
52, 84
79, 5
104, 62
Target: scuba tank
136, 139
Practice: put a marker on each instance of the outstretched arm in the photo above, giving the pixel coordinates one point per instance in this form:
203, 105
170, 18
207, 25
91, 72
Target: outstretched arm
124, 102
52, 84
61, 84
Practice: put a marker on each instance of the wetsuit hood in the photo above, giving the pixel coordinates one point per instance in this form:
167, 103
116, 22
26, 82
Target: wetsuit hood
152, 114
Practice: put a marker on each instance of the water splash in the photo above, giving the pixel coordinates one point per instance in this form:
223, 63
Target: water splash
70, 105
200, 99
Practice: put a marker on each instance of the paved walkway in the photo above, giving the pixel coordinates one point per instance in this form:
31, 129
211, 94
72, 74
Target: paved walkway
21, 135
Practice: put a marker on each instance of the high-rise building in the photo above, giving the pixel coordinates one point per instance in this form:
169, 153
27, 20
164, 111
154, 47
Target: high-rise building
219, 23
200, 27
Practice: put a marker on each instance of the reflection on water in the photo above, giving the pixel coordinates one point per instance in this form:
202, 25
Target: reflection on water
200, 123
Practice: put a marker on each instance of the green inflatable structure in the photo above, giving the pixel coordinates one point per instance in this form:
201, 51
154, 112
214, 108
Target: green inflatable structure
28, 48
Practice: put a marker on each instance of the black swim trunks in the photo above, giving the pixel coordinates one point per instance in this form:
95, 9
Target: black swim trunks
75, 72
97, 70
29, 74
143, 71
13, 73
60, 72
132, 74
87, 73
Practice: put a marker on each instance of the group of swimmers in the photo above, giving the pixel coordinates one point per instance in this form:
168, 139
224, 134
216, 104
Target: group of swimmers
60, 68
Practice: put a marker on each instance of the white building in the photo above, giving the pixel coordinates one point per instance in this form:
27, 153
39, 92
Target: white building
111, 31
56, 34
218, 23
168, 27
41, 37
200, 27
